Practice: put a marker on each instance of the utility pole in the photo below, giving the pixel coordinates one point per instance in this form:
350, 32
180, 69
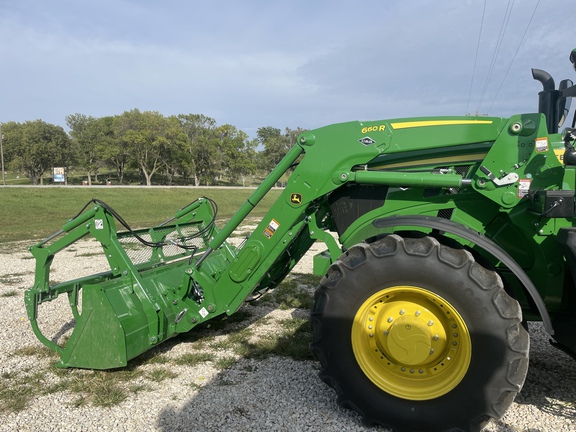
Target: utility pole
2, 157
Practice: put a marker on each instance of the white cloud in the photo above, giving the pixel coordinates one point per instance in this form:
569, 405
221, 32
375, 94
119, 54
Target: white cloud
283, 64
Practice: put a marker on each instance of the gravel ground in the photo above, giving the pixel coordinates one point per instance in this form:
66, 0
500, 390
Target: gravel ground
274, 394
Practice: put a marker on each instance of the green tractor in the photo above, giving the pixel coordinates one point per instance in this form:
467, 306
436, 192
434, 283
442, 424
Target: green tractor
444, 236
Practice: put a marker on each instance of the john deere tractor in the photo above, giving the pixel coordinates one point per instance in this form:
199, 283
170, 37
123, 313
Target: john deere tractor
444, 236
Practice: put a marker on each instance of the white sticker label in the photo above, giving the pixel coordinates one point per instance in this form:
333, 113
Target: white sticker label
523, 187
98, 224
203, 312
271, 228
542, 144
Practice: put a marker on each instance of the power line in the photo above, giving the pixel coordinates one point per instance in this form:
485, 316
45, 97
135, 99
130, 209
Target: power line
503, 28
514, 57
476, 57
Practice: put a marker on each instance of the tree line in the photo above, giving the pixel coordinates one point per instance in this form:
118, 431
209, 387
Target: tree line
192, 147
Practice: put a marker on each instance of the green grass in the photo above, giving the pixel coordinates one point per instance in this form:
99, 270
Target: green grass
161, 374
289, 293
11, 279
16, 397
193, 359
36, 212
293, 341
35, 350
100, 388
97, 388
225, 362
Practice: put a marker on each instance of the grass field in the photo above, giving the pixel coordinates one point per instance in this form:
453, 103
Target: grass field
36, 212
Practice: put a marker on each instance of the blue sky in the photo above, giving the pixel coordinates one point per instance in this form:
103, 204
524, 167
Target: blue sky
255, 63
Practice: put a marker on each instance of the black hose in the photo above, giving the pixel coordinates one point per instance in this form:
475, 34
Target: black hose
119, 218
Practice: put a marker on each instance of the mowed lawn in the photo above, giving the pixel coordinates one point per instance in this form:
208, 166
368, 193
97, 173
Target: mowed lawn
29, 213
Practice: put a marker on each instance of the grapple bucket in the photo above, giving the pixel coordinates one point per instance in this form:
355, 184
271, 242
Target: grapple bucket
121, 313
165, 280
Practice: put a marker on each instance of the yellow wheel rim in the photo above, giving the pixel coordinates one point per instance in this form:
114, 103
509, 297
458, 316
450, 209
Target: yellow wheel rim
411, 343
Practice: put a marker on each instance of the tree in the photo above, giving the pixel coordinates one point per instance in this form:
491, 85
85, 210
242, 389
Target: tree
88, 134
276, 144
114, 150
237, 153
205, 154
175, 154
35, 147
145, 135
11, 136
201, 147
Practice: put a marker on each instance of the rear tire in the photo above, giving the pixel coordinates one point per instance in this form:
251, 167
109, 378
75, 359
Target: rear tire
418, 336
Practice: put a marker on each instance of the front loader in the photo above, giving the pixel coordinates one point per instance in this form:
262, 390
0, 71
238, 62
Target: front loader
443, 236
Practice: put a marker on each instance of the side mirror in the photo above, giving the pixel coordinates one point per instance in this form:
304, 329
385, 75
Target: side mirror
573, 58
564, 101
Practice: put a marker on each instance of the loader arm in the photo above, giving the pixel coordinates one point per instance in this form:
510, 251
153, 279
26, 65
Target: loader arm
139, 302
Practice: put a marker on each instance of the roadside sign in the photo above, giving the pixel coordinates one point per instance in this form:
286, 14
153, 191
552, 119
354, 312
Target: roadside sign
59, 175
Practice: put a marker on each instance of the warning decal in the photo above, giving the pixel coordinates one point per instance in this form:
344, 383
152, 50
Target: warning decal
523, 187
542, 144
271, 228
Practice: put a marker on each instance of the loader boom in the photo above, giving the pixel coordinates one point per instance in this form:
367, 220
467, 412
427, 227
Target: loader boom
224, 275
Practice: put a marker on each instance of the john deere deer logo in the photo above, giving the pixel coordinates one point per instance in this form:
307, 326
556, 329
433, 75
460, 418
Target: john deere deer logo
296, 198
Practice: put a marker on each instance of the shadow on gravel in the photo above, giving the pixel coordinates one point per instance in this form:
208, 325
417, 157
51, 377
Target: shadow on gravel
277, 394
551, 382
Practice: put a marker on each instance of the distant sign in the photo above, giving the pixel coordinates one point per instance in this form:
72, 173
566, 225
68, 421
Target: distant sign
58, 175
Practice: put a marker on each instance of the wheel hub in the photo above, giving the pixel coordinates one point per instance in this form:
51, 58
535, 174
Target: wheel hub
411, 342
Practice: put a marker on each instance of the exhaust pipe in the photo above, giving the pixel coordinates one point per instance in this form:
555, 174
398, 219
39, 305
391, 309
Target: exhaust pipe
547, 99
545, 78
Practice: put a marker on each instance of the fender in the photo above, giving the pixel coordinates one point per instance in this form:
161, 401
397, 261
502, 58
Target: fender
446, 225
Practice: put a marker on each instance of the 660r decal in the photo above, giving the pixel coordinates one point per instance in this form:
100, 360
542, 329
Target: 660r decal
377, 128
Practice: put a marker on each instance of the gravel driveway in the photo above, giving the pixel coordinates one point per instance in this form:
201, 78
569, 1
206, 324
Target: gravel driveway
276, 393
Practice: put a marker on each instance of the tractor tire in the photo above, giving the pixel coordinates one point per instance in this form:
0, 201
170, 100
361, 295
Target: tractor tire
418, 336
